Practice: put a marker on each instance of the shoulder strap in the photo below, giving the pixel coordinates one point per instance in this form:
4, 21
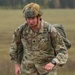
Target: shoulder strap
49, 26
21, 30
50, 38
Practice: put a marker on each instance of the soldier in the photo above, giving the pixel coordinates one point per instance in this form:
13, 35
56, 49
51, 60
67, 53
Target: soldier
43, 46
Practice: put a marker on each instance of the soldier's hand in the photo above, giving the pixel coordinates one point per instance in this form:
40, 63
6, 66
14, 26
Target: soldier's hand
49, 66
17, 69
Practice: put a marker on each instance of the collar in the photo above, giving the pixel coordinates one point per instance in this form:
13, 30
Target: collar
41, 27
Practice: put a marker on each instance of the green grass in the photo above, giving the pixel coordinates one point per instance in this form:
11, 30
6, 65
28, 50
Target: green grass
11, 19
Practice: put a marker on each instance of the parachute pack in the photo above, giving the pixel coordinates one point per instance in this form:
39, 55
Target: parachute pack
62, 32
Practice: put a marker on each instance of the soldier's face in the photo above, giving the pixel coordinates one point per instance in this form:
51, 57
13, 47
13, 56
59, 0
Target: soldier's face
32, 21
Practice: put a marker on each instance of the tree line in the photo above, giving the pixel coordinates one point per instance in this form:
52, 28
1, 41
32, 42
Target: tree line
43, 3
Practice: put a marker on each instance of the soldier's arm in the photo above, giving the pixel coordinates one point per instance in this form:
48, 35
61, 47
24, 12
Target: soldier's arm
59, 46
13, 48
14, 51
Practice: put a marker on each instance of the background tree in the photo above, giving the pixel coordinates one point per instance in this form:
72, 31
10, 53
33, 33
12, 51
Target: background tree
43, 3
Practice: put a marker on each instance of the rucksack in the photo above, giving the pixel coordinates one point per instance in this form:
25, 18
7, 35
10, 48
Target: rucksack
59, 28
62, 32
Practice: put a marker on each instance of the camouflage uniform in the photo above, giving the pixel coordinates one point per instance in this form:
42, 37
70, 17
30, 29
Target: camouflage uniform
38, 50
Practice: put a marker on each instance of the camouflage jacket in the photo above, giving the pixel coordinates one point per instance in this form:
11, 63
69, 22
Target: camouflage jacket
37, 46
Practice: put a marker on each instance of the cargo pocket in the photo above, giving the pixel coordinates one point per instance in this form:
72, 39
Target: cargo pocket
28, 67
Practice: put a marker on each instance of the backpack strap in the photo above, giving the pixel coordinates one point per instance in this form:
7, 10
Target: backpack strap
62, 32
49, 26
50, 38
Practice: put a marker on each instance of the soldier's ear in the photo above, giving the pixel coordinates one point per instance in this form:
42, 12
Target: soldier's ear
39, 18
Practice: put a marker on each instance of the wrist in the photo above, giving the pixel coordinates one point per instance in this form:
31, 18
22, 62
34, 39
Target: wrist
53, 62
16, 65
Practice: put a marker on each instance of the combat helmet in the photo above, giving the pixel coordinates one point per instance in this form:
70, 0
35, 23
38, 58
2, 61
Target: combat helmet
32, 10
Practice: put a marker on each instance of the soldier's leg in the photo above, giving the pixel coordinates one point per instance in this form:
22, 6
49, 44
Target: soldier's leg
31, 71
53, 72
35, 73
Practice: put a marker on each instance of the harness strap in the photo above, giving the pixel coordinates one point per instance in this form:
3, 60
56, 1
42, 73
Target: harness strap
49, 36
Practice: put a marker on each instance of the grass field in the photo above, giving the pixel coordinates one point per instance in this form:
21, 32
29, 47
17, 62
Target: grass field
11, 19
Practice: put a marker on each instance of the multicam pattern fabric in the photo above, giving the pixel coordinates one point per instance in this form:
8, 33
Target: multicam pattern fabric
38, 50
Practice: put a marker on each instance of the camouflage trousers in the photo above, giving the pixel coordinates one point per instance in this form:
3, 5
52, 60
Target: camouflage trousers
35, 72
36, 69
